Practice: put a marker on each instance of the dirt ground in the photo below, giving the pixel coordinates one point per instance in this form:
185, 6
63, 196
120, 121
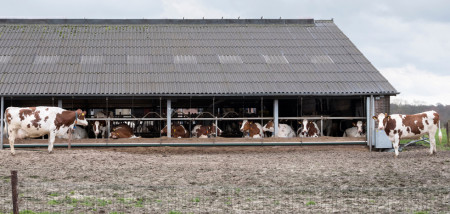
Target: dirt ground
262, 173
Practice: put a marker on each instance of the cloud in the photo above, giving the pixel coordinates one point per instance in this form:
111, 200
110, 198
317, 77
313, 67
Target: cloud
191, 9
417, 85
391, 40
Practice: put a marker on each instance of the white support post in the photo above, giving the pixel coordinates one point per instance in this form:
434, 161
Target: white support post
60, 103
321, 126
372, 122
1, 122
368, 123
275, 115
169, 118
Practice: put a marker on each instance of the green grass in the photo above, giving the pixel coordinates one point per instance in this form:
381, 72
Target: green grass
440, 146
310, 203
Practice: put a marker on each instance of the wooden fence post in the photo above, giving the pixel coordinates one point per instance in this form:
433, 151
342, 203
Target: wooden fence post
447, 129
15, 195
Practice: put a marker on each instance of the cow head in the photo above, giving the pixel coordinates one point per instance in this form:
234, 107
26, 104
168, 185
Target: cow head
304, 127
245, 127
213, 130
97, 125
360, 125
269, 127
382, 119
114, 135
81, 118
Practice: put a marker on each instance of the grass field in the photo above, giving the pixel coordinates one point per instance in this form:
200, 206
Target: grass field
440, 146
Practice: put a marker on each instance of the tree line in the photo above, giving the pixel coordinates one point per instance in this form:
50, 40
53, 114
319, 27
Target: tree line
402, 108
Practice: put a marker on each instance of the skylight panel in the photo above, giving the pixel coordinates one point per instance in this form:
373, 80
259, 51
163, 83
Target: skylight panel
4, 59
230, 59
185, 59
46, 59
91, 59
275, 59
321, 59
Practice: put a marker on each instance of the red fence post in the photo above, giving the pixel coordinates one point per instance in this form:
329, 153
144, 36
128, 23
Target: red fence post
14, 192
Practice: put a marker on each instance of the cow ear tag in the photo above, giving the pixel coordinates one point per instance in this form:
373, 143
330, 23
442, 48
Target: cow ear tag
375, 118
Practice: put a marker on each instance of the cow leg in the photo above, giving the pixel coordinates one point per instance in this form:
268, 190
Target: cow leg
396, 144
51, 141
432, 142
12, 138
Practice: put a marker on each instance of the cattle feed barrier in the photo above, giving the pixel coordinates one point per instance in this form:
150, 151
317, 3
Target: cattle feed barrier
65, 145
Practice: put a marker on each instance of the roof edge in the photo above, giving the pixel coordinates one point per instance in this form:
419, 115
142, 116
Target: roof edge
156, 21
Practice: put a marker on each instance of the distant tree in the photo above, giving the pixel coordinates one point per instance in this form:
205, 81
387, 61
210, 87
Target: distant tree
404, 108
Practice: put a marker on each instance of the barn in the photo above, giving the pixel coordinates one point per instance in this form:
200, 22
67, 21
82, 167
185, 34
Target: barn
158, 72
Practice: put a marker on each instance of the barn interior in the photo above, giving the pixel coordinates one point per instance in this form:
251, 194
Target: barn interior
148, 115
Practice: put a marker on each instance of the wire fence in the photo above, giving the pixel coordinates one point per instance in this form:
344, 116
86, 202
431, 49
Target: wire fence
116, 198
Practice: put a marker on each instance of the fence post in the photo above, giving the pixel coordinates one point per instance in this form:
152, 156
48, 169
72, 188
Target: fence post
14, 192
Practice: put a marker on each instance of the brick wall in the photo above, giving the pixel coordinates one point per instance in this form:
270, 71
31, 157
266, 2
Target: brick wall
382, 105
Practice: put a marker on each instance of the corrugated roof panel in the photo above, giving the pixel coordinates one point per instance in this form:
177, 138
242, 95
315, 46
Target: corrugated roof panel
213, 59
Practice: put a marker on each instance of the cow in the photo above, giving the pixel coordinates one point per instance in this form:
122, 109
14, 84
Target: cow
399, 126
284, 130
38, 121
122, 131
177, 131
254, 130
213, 128
308, 129
202, 131
78, 133
358, 130
100, 125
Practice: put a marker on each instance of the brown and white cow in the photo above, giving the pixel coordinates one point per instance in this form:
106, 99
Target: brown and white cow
308, 129
100, 125
122, 131
284, 130
254, 130
38, 121
358, 130
177, 131
202, 131
399, 126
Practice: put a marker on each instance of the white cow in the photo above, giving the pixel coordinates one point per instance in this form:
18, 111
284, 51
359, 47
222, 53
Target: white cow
356, 131
38, 121
78, 133
398, 126
284, 130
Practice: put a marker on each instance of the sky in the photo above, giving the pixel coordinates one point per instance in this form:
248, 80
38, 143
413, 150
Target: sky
407, 41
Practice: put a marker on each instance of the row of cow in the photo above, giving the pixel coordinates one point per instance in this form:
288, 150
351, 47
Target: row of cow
250, 129
32, 122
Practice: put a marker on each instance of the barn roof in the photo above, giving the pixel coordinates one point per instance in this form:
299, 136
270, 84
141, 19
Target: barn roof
150, 57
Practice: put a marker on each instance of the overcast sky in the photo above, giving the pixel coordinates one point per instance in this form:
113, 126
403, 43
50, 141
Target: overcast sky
407, 41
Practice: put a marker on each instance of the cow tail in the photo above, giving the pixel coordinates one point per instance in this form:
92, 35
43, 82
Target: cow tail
440, 132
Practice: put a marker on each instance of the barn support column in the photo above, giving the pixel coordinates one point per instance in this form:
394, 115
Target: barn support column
369, 127
60, 103
372, 122
169, 118
370, 111
1, 122
275, 115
